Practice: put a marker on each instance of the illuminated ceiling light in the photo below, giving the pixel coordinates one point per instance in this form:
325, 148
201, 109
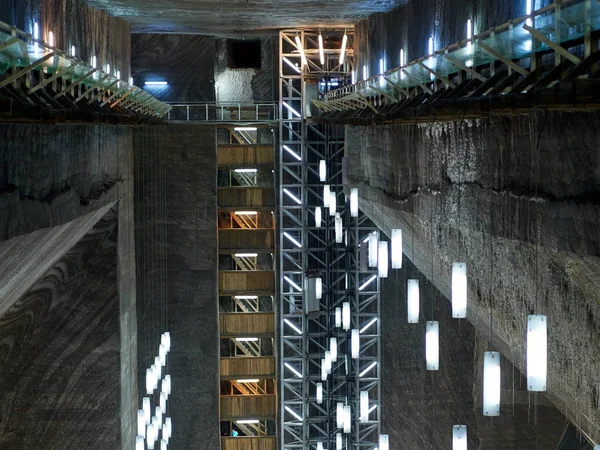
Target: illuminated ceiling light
469, 29
402, 58
292, 326
294, 285
139, 443
355, 343
293, 413
319, 445
459, 290
319, 289
413, 301
396, 248
339, 235
118, 75
430, 46
245, 129
246, 255
343, 49
338, 317
365, 73
149, 381
354, 202
292, 239
537, 352
384, 442
382, 262
245, 213
321, 50
292, 152
332, 203
50, 39
131, 81
246, 297
318, 217
432, 345
333, 348
459, 437
528, 7
294, 370
326, 196
166, 385
322, 170
347, 419
152, 83
338, 441
346, 315
146, 409
245, 170
162, 354
292, 196
364, 406
339, 415
95, 62
381, 71
372, 408
319, 393
373, 250
36, 31
249, 380
369, 323
366, 283
324, 371
328, 361
247, 339
248, 421
353, 76
491, 384
163, 401
300, 50
289, 63
108, 69
141, 423
369, 367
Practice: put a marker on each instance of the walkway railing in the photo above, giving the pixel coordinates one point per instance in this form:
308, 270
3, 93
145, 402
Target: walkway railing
68, 81
518, 44
224, 112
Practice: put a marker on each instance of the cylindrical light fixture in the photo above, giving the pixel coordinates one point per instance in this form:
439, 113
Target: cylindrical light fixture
326, 196
149, 381
355, 343
139, 443
537, 352
332, 203
338, 317
347, 419
491, 384
354, 202
432, 345
396, 248
384, 442
382, 259
346, 316
339, 415
147, 410
459, 290
319, 393
322, 170
364, 406
319, 288
373, 249
338, 441
323, 370
459, 437
318, 217
328, 361
333, 348
413, 301
339, 235
319, 444
141, 423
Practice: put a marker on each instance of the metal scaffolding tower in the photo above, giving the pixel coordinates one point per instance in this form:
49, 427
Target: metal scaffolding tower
324, 275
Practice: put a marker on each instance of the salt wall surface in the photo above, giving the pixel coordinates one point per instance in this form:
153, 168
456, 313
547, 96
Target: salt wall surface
517, 199
75, 23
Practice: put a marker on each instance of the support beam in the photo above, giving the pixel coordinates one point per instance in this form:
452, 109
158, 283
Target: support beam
54, 77
469, 70
75, 83
397, 87
436, 74
425, 88
92, 87
5, 45
553, 45
26, 70
127, 94
510, 63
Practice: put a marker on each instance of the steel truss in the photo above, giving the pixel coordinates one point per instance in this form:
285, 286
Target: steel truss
308, 251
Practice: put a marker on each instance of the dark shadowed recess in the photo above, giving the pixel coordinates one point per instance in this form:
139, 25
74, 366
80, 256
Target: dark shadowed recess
244, 54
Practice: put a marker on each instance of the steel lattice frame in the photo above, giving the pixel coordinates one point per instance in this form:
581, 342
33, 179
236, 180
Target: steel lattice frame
303, 336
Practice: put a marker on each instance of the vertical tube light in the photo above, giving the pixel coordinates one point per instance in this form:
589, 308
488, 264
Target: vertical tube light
339, 415
364, 406
537, 352
459, 437
323, 370
347, 419
382, 263
339, 231
319, 393
396, 248
459, 290
432, 345
343, 49
318, 217
338, 441
491, 384
332, 203
322, 59
384, 442
354, 202
373, 250
326, 196
319, 289
338, 317
322, 170
346, 316
413, 301
333, 348
355, 343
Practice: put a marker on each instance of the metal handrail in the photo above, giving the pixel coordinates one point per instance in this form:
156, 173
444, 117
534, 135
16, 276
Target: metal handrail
224, 112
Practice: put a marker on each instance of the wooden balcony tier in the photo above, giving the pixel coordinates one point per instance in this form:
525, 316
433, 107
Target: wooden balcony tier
242, 282
247, 324
237, 155
249, 443
248, 367
257, 240
263, 407
242, 197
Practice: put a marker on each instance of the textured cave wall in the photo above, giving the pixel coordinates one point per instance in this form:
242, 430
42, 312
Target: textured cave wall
59, 352
186, 62
176, 243
409, 26
517, 199
92, 31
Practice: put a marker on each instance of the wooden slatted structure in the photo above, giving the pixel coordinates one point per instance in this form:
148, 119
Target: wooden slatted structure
254, 240
232, 156
247, 324
249, 443
248, 407
240, 282
245, 197
240, 367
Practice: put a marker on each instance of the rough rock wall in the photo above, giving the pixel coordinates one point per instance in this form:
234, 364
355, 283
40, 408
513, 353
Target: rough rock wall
181, 159
59, 352
73, 22
186, 62
517, 199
